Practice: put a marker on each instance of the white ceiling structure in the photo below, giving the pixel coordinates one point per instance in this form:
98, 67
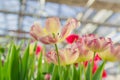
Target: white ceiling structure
18, 16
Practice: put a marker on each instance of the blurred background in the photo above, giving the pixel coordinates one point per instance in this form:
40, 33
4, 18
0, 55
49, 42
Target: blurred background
101, 17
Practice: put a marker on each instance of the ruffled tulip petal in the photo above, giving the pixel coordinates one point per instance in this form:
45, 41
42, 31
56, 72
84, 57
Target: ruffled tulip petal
84, 53
51, 57
68, 28
85, 56
96, 43
48, 39
66, 56
110, 54
37, 31
53, 25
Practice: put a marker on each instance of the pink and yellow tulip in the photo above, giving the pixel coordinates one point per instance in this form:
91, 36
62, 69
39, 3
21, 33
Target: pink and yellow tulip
67, 56
84, 53
52, 32
99, 44
111, 54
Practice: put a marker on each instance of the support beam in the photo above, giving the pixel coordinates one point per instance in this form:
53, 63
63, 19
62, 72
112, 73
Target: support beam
22, 9
98, 4
82, 21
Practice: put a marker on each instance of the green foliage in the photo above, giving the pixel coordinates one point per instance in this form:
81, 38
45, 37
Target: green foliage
2, 50
98, 73
19, 64
88, 72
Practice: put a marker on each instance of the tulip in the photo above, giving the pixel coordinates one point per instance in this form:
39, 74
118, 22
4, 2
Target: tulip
95, 43
85, 63
52, 33
95, 67
111, 54
32, 49
97, 58
71, 38
84, 53
38, 49
47, 76
100, 44
104, 75
67, 56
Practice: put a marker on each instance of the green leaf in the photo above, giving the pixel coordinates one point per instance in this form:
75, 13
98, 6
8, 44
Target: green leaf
10, 61
6, 69
79, 72
98, 73
10, 64
25, 64
88, 72
14, 64
50, 67
20, 45
75, 77
55, 73
39, 75
0, 68
2, 50
31, 66
40, 63
66, 72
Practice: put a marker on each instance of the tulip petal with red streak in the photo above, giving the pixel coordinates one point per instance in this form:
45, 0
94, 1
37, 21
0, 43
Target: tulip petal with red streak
48, 39
51, 57
95, 43
36, 31
68, 28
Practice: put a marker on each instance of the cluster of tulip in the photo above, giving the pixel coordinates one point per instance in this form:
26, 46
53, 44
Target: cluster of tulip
80, 49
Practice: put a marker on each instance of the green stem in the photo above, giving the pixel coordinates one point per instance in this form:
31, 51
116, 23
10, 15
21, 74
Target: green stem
56, 48
93, 60
92, 65
59, 71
